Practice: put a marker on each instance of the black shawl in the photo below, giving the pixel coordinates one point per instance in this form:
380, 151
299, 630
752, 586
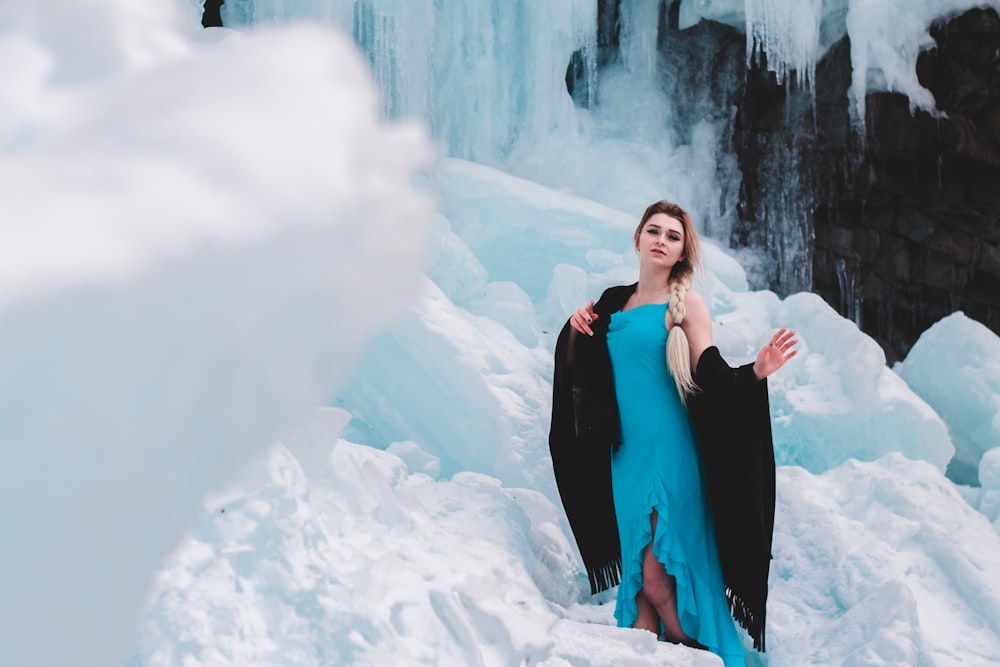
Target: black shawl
731, 422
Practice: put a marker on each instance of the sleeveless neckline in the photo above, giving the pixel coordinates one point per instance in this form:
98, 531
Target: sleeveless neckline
644, 305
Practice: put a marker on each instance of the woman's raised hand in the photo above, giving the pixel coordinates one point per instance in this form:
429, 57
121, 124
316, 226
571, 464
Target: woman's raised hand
773, 356
582, 318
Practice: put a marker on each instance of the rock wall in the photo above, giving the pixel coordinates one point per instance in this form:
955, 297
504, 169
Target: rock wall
895, 228
907, 226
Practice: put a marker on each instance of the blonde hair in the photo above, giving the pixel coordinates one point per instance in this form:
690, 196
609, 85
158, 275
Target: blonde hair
678, 349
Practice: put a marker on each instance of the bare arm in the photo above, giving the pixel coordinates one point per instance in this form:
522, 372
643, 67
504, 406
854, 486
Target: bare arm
697, 325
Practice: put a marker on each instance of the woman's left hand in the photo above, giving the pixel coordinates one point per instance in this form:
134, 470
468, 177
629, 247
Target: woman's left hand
773, 356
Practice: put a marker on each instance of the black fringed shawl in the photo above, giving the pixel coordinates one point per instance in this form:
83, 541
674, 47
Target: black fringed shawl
731, 421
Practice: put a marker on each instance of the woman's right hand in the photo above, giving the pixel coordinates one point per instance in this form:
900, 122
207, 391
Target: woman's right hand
582, 318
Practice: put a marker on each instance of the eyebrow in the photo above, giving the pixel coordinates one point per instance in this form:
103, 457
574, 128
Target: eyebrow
652, 226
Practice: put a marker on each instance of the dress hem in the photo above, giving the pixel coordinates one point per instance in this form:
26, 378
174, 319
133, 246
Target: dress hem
669, 551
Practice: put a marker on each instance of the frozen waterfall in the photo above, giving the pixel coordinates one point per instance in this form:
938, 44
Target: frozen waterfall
278, 311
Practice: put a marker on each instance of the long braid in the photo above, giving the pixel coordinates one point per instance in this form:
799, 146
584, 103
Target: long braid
678, 350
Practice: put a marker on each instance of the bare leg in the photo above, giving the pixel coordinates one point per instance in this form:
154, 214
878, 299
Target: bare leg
646, 616
659, 591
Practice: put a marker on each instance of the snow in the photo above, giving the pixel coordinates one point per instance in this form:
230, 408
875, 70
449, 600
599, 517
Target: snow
989, 477
278, 379
955, 367
459, 571
159, 271
359, 561
882, 563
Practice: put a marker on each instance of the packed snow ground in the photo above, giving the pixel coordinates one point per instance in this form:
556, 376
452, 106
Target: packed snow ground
264, 407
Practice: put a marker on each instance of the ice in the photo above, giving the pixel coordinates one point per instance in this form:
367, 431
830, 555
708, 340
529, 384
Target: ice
829, 403
468, 367
183, 225
356, 561
955, 367
453, 266
882, 563
886, 37
785, 36
640, 22
989, 478
484, 205
508, 304
483, 74
730, 12
254, 380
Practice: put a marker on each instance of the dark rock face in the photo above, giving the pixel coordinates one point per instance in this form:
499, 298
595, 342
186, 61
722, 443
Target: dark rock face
211, 17
896, 228
775, 133
908, 226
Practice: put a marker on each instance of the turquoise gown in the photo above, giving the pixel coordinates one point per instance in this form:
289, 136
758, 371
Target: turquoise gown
656, 468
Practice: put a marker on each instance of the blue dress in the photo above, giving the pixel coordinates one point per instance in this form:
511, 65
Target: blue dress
656, 468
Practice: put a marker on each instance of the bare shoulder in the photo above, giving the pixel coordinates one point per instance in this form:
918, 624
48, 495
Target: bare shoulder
697, 325
695, 307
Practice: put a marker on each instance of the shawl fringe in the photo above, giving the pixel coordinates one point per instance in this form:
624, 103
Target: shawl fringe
605, 576
744, 614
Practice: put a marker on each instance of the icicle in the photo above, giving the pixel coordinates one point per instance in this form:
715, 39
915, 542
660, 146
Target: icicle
850, 301
640, 24
585, 35
784, 36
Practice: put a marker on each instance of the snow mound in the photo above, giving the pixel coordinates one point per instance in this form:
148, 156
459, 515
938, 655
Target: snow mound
955, 367
882, 563
357, 561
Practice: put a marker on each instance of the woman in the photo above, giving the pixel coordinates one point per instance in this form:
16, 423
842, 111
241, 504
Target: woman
666, 470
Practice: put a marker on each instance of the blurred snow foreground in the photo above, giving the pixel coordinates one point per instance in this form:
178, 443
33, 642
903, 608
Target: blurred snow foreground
195, 240
199, 238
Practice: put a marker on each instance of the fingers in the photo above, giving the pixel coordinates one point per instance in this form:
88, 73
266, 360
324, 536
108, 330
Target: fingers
582, 319
788, 345
779, 350
784, 339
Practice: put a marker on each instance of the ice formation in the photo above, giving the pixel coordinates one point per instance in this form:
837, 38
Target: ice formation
955, 367
886, 38
203, 229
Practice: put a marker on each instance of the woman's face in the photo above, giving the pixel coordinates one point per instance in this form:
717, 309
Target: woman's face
661, 241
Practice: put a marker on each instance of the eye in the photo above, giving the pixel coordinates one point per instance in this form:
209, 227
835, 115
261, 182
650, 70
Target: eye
652, 230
